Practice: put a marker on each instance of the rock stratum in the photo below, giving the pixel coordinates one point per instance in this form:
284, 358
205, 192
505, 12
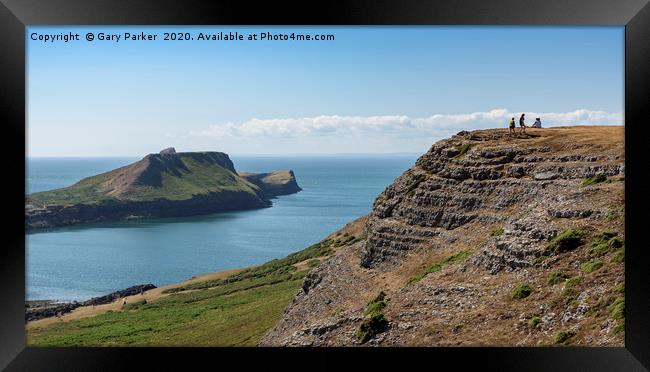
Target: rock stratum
167, 184
486, 240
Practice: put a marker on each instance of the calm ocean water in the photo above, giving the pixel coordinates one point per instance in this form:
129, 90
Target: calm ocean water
77, 263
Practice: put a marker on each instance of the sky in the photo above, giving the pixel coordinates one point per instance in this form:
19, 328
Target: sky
370, 90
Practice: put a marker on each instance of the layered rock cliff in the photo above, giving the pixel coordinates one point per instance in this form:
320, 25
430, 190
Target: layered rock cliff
487, 240
167, 184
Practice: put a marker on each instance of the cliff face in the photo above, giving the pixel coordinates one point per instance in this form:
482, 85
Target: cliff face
486, 240
167, 184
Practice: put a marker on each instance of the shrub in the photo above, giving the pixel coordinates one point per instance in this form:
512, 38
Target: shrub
375, 321
569, 239
313, 262
371, 326
521, 291
534, 321
563, 336
591, 266
569, 291
620, 256
376, 305
617, 308
497, 232
557, 277
603, 243
599, 178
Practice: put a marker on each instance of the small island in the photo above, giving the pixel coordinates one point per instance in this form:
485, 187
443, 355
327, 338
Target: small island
167, 184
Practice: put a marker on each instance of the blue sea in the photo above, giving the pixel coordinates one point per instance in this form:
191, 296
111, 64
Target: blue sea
76, 263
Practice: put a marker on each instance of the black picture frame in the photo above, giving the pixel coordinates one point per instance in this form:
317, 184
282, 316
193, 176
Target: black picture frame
15, 15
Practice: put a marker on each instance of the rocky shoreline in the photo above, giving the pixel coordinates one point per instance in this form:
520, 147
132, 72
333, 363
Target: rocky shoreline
40, 309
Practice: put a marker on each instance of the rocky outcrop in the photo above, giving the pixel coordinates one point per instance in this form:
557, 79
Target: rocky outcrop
274, 183
478, 216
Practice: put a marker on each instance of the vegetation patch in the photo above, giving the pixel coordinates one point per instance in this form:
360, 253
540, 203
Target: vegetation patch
271, 272
313, 262
521, 291
563, 336
540, 259
458, 257
556, 277
569, 292
463, 149
534, 321
599, 178
134, 305
620, 288
617, 308
618, 329
619, 256
567, 240
375, 321
497, 232
604, 243
591, 266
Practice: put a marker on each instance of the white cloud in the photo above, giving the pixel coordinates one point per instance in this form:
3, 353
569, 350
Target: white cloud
397, 126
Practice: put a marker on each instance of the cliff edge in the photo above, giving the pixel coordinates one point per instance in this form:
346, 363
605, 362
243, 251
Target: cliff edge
487, 240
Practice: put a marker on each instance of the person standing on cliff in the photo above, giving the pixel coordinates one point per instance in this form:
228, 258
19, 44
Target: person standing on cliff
511, 131
522, 124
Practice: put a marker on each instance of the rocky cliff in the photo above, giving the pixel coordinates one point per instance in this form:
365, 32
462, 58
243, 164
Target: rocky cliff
274, 183
487, 240
167, 184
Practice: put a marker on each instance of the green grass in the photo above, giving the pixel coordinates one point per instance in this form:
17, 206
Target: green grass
375, 321
617, 308
201, 318
599, 178
604, 243
556, 277
458, 257
591, 266
563, 336
313, 262
497, 232
619, 256
178, 182
534, 321
569, 292
274, 271
463, 149
540, 259
567, 240
521, 291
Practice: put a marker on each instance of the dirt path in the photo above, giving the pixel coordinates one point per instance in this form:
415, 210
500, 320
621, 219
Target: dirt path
150, 295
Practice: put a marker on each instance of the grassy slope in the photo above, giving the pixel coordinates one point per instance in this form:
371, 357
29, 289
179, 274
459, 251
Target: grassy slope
235, 311
197, 179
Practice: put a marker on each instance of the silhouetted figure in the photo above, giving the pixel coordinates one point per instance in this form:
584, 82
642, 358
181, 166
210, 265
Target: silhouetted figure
537, 123
511, 131
522, 124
